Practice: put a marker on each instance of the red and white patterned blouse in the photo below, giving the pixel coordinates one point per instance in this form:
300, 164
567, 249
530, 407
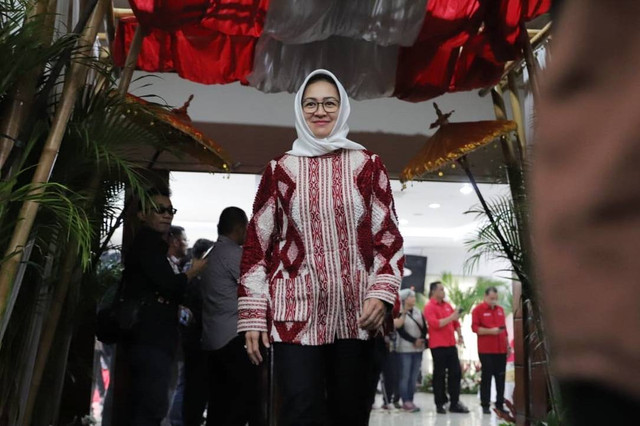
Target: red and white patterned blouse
323, 238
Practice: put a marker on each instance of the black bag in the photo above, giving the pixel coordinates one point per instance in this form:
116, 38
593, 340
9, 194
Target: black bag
116, 315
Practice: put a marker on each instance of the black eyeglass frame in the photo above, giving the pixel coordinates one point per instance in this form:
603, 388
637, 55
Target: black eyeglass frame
162, 210
323, 105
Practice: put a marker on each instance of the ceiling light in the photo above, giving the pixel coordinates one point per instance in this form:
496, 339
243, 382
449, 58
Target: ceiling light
434, 206
403, 221
466, 189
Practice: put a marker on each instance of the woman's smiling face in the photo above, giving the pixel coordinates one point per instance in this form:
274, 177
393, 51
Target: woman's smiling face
321, 95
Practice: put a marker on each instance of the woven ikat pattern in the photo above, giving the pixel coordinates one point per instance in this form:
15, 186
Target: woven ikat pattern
323, 238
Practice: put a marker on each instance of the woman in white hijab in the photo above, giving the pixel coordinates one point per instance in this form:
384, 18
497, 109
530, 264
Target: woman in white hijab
322, 264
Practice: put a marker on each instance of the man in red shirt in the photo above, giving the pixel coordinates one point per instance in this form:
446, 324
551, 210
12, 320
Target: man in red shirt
489, 324
443, 322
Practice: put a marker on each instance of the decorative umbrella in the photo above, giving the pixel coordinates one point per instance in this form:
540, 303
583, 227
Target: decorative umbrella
452, 142
175, 125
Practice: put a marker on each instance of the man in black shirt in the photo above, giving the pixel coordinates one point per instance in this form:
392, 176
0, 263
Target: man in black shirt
149, 278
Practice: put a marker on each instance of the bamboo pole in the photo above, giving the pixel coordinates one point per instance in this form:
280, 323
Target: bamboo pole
75, 78
516, 110
530, 61
510, 66
23, 94
122, 12
130, 63
61, 292
49, 332
110, 24
515, 176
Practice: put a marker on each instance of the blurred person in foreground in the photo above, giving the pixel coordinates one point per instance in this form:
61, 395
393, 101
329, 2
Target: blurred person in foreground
586, 209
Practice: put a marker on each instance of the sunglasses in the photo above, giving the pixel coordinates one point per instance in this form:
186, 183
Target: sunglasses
163, 210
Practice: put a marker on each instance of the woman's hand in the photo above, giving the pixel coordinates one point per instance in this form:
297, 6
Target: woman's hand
373, 313
252, 344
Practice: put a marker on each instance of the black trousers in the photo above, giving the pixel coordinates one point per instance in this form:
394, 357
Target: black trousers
493, 366
233, 386
325, 385
196, 383
391, 375
149, 376
446, 364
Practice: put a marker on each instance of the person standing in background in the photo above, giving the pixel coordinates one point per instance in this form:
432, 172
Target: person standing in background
196, 383
443, 324
233, 380
153, 341
488, 322
412, 334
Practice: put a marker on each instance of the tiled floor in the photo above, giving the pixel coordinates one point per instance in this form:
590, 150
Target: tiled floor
428, 416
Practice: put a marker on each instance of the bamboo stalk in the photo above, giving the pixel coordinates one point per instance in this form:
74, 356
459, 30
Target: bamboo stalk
49, 332
515, 176
516, 110
513, 65
70, 262
75, 78
23, 94
530, 61
122, 12
110, 24
130, 63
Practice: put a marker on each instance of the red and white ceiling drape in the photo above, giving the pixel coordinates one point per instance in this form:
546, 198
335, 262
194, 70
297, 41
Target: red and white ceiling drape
412, 49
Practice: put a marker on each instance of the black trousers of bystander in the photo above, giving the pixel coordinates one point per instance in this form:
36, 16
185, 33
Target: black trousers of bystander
446, 363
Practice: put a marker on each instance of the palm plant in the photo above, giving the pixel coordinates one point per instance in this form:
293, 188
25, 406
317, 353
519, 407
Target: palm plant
485, 243
78, 202
94, 161
463, 299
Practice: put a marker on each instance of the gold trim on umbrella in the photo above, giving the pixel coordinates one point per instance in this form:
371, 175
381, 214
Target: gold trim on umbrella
177, 127
452, 141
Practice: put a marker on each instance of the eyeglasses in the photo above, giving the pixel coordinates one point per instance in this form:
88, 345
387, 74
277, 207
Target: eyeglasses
329, 105
163, 210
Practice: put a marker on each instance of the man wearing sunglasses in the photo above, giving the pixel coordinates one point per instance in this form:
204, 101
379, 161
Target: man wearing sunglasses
150, 280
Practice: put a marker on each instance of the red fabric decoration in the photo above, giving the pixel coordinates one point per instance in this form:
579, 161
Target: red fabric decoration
168, 15
534, 8
155, 54
231, 17
450, 20
236, 17
426, 68
213, 41
194, 52
477, 66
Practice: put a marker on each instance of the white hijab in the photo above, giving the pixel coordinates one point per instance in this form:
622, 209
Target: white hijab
307, 145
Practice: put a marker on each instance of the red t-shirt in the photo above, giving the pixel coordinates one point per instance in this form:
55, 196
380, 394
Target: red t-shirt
483, 316
440, 337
